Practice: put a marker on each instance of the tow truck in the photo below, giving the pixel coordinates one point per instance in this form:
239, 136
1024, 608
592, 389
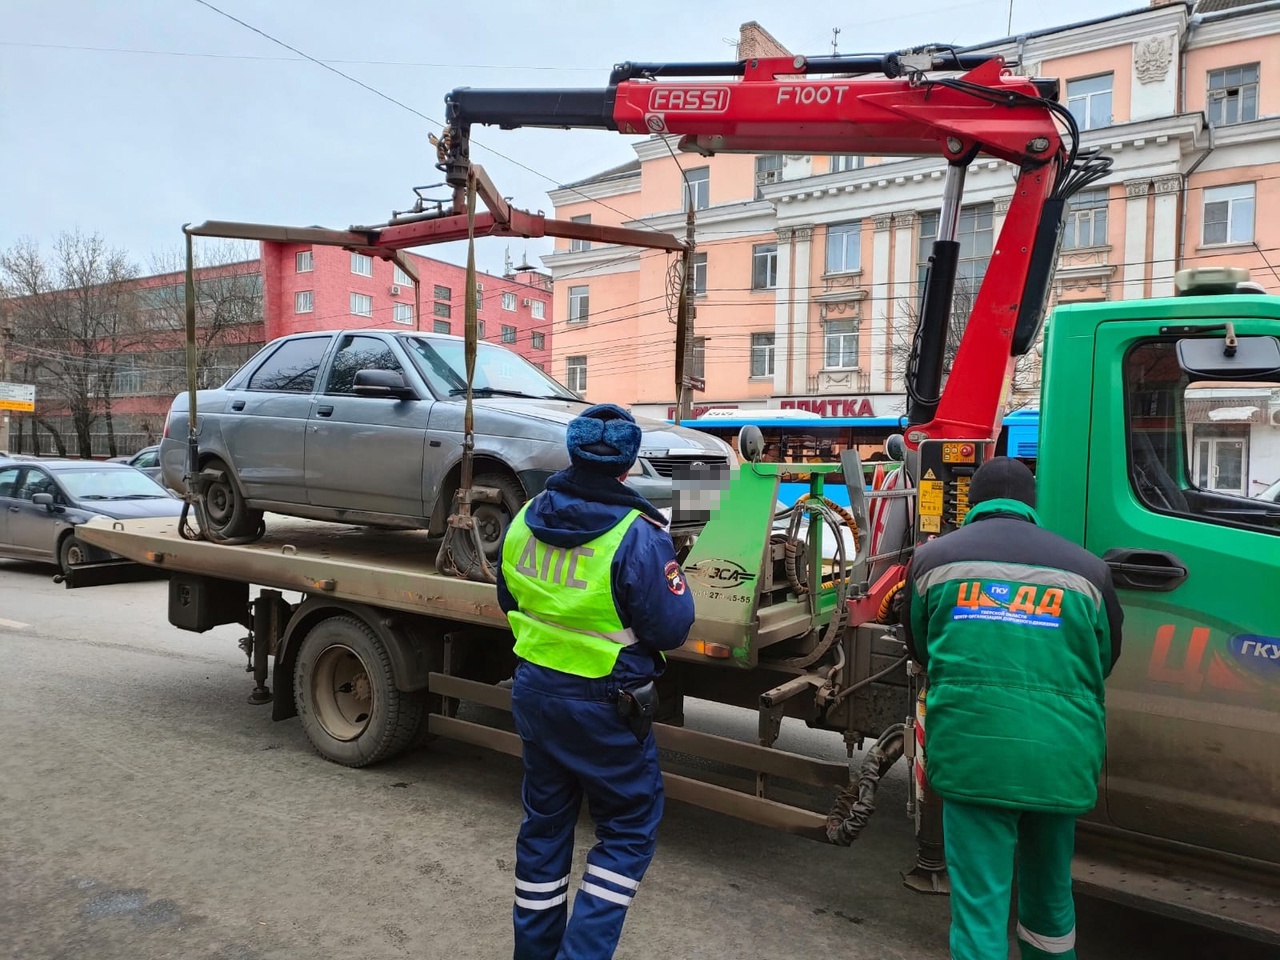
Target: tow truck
384, 643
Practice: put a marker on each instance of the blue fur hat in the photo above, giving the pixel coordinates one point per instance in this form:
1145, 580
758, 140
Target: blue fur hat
604, 439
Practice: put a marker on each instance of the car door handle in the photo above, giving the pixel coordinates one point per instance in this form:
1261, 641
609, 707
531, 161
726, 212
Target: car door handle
237, 404
1137, 569
324, 411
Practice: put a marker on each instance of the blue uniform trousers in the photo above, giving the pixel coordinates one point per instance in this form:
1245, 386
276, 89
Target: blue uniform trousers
576, 745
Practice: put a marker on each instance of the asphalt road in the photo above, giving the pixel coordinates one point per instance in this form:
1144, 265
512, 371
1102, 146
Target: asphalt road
148, 811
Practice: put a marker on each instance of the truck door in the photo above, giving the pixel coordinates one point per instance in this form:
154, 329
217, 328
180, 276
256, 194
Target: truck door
1193, 706
365, 453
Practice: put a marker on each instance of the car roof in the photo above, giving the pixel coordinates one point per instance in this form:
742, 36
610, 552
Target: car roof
67, 463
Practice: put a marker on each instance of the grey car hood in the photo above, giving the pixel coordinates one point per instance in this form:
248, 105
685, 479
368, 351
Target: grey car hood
659, 437
132, 509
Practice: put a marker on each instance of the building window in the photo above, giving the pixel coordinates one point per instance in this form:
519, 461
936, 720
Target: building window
304, 301
764, 266
508, 334
1233, 95
539, 341
697, 188
699, 358
575, 244
1089, 101
844, 247
840, 162
508, 301
768, 170
305, 261
1086, 224
762, 355
362, 265
575, 374
442, 310
402, 313
841, 340
402, 278
538, 309
442, 293
699, 274
579, 304
479, 295
975, 233
1228, 214
361, 305
441, 326
479, 329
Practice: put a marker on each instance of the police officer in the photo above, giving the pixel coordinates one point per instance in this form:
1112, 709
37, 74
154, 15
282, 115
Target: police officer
593, 592
1017, 629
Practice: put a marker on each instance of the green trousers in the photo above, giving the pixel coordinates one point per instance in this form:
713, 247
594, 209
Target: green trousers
983, 843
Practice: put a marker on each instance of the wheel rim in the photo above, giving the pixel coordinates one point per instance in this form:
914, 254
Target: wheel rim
75, 555
342, 693
491, 520
220, 503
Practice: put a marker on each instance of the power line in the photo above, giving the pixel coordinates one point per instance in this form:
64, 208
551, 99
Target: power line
326, 60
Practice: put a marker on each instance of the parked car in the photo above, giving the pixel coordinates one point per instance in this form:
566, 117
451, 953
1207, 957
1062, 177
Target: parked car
41, 501
366, 427
1272, 493
147, 460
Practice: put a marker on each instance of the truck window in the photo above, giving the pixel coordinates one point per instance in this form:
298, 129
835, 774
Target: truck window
292, 368
1209, 451
355, 354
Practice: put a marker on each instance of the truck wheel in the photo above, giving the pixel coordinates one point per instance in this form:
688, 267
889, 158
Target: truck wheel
71, 553
228, 514
345, 691
492, 519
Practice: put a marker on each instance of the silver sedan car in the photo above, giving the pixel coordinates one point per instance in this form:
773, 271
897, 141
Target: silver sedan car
42, 501
366, 427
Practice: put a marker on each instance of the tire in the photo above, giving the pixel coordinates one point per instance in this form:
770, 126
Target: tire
72, 552
229, 516
345, 690
493, 519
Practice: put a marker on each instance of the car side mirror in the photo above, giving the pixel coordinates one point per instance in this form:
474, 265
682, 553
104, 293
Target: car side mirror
43, 500
382, 383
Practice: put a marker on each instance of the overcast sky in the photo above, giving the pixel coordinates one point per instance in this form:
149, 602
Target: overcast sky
179, 114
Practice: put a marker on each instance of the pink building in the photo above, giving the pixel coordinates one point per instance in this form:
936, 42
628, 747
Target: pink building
809, 266
326, 288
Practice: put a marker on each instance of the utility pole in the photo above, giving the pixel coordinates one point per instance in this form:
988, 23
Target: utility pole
4, 376
685, 315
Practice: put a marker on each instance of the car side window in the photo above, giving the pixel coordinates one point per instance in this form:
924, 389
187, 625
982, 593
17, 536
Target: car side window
292, 368
36, 481
1206, 451
357, 353
149, 459
9, 482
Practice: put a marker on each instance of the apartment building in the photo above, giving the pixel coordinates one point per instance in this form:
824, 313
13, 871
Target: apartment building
809, 267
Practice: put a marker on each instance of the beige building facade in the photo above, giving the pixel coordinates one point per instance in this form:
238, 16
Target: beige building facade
808, 267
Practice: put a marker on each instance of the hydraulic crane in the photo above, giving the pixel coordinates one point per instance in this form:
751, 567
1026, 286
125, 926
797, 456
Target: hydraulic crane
931, 101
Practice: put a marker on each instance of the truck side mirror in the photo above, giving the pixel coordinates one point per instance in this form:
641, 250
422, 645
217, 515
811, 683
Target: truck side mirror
1230, 357
43, 500
382, 383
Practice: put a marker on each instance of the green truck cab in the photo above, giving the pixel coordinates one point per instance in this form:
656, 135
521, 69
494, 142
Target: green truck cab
1156, 452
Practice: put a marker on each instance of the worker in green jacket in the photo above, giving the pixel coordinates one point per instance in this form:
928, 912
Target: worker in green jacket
1017, 629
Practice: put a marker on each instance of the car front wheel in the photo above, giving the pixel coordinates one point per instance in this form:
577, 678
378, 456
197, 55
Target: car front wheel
492, 519
228, 514
72, 553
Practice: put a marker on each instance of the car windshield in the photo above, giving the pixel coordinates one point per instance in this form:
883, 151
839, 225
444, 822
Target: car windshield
499, 372
107, 484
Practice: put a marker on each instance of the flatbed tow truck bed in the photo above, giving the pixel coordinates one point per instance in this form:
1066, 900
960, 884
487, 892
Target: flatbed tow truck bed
395, 570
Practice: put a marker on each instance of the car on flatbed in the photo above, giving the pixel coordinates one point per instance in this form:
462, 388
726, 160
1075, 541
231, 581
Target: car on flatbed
366, 427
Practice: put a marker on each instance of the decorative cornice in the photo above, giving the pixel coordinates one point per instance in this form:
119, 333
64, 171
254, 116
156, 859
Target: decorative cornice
1002, 205
906, 219
804, 234
1170, 184
1134, 189
785, 234
881, 221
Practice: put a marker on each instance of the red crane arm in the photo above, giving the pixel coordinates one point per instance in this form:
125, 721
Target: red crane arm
834, 105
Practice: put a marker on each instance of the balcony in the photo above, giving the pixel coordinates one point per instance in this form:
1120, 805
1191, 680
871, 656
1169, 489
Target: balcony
841, 294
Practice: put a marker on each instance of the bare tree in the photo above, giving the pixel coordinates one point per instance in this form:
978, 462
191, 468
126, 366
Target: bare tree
1025, 387
70, 311
228, 312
